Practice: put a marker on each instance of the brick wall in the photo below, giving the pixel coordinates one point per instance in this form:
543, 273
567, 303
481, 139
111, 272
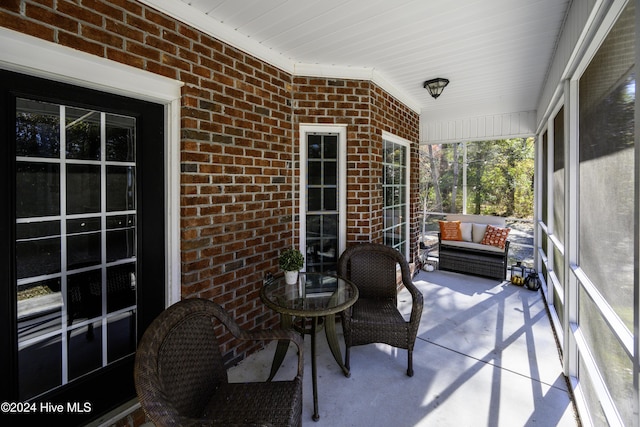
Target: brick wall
239, 117
367, 110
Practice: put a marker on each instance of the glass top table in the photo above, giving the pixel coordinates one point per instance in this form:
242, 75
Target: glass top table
313, 296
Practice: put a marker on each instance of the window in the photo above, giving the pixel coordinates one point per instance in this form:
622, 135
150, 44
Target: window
395, 187
322, 196
85, 214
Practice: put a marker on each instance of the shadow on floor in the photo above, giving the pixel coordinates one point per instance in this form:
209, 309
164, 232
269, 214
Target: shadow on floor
485, 356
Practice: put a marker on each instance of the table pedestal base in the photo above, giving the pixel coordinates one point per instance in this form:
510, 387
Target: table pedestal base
286, 321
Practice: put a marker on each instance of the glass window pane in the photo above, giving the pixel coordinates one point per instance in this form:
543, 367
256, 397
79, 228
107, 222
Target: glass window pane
314, 199
83, 189
388, 196
37, 129
83, 134
330, 147
85, 349
121, 190
120, 142
84, 296
39, 308
83, 225
313, 226
37, 189
34, 229
314, 170
330, 172
120, 221
330, 225
121, 287
330, 199
83, 250
40, 366
38, 257
121, 243
314, 147
121, 336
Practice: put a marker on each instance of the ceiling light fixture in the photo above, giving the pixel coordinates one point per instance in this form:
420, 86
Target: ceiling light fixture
436, 86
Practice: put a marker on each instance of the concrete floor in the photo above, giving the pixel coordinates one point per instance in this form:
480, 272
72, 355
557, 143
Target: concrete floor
485, 356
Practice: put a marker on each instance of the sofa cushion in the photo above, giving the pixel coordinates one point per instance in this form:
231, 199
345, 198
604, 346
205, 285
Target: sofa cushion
495, 236
465, 231
471, 245
478, 232
450, 230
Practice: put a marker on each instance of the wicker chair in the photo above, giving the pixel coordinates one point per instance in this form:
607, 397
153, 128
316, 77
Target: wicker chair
375, 317
181, 379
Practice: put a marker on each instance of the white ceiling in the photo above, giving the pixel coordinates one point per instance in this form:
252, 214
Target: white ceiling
496, 53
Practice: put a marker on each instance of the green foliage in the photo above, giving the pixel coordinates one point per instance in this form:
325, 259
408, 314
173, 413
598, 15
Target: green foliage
499, 177
291, 260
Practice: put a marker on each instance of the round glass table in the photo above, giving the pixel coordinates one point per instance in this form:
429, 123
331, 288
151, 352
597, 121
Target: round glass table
315, 296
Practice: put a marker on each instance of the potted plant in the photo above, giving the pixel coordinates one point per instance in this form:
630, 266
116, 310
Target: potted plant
291, 261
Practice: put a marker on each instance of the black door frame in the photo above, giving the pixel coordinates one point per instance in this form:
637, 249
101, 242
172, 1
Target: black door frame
111, 386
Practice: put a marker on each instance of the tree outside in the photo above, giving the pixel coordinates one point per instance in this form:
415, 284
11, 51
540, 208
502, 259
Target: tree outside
499, 177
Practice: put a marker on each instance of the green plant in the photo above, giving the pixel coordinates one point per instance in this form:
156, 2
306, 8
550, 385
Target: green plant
291, 260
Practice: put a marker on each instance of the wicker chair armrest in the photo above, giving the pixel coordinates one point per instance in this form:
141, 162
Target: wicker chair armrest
417, 303
277, 334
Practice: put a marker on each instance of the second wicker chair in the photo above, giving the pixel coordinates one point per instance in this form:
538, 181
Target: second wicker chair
375, 317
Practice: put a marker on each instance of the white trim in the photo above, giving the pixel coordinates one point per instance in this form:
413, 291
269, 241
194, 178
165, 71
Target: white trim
29, 55
341, 130
39, 58
407, 144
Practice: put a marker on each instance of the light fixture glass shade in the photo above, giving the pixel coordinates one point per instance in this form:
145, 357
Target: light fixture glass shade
436, 86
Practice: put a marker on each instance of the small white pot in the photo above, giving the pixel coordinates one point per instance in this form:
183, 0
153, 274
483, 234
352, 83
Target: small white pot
291, 277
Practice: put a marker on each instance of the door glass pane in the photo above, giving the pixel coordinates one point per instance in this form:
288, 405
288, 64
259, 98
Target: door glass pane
121, 287
83, 250
82, 134
75, 243
121, 194
83, 188
120, 142
121, 235
38, 249
37, 129
38, 187
84, 296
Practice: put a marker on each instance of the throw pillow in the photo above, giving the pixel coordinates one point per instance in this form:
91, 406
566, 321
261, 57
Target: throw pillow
465, 231
478, 232
450, 230
495, 236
